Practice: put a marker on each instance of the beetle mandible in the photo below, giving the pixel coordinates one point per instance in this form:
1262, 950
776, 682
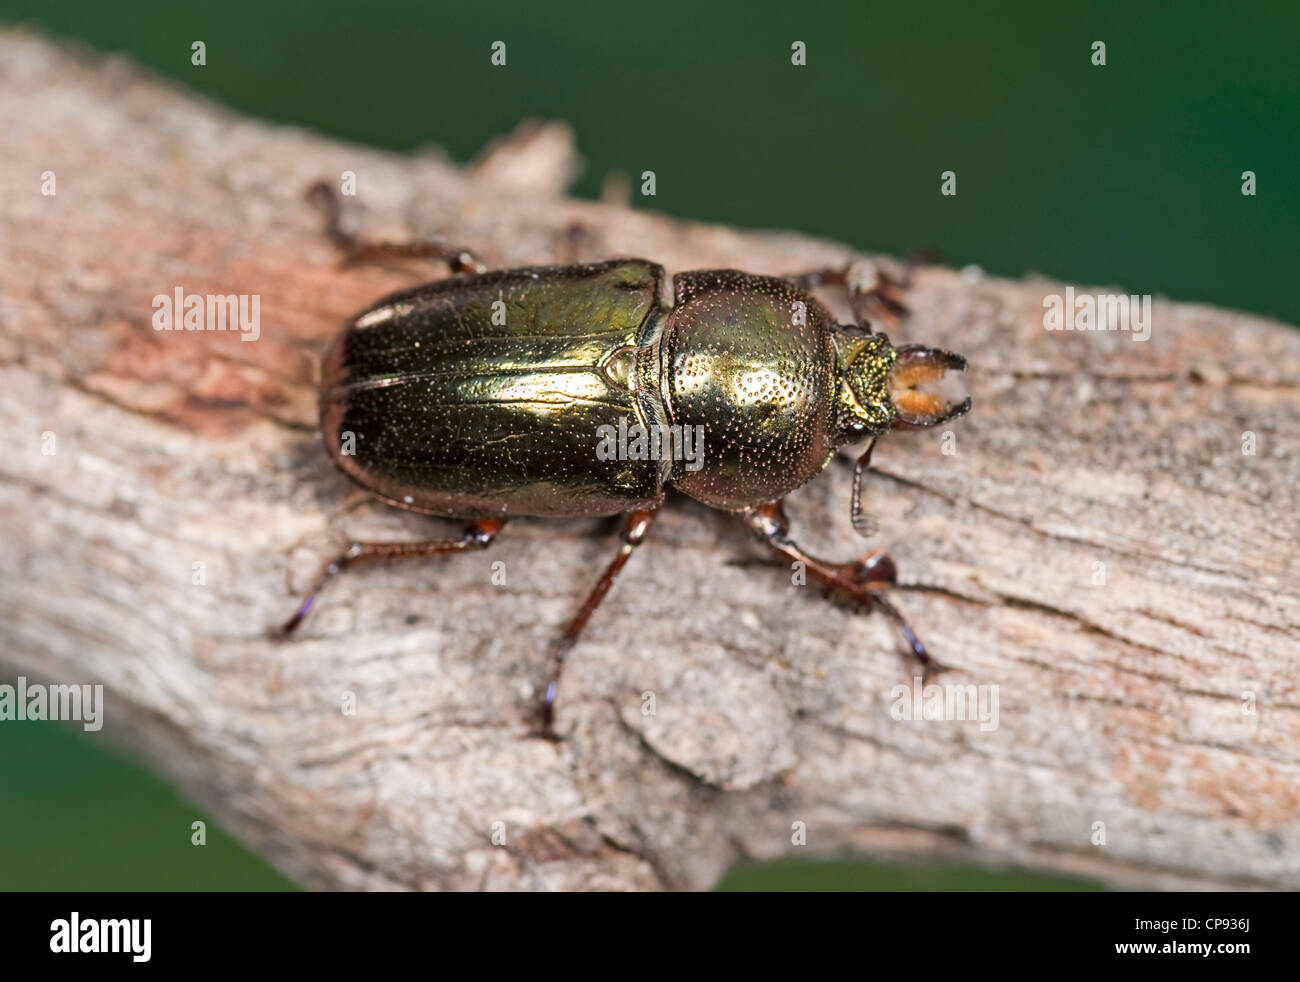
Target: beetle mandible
486, 395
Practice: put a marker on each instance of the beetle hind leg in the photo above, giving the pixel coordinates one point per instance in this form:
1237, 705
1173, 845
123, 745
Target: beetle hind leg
860, 581
478, 535
358, 250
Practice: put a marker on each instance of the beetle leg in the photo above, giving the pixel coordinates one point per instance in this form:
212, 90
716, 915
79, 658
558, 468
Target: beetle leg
872, 290
357, 250
861, 580
478, 535
828, 276
635, 527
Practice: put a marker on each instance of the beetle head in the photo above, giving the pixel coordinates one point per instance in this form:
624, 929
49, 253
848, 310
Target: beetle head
885, 387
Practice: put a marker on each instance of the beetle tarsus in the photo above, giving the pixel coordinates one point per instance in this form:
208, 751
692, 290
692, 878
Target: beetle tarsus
299, 615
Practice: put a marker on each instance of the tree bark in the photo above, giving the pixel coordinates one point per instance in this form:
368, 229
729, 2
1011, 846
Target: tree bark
1109, 538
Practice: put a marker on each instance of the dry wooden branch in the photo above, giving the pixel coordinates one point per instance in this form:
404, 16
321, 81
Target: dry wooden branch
1099, 547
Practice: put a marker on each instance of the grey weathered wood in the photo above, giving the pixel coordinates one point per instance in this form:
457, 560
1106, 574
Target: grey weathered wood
1122, 702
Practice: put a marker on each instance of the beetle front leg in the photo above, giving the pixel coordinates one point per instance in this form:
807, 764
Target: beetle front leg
478, 535
872, 291
635, 527
357, 250
861, 580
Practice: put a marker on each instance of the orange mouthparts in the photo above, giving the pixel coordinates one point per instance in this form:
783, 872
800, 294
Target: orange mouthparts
921, 388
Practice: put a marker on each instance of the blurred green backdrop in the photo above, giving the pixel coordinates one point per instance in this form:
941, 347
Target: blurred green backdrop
1127, 174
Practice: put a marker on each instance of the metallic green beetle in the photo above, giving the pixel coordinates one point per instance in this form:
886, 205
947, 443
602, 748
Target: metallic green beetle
485, 397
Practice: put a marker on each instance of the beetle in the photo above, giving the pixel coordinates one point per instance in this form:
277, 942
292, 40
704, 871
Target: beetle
487, 396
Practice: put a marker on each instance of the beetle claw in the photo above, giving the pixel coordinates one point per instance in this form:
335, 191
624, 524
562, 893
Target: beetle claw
299, 615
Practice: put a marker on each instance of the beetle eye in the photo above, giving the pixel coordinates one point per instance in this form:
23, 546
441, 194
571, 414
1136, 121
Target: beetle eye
921, 388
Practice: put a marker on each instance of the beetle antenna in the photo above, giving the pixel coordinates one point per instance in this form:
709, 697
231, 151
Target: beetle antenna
864, 523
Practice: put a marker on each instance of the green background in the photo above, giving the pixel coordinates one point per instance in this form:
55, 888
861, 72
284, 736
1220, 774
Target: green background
1126, 175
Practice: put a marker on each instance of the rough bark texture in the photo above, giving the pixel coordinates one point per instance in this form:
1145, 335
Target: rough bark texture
1125, 689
